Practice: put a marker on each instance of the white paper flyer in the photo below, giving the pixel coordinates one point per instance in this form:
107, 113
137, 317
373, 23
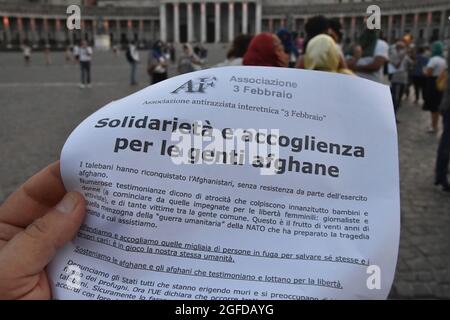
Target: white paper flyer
236, 183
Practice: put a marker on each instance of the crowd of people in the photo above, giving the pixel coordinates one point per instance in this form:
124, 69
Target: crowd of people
55, 216
403, 64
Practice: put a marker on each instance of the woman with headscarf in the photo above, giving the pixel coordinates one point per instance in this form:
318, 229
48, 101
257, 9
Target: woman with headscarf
443, 156
433, 97
321, 51
313, 27
286, 38
322, 54
266, 50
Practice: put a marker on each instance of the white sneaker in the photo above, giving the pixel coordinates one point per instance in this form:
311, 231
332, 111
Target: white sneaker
82, 86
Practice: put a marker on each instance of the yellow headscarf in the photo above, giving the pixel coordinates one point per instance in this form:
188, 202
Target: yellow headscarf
322, 54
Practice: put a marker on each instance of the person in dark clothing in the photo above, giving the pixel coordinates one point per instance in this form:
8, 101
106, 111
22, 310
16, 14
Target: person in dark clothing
172, 53
443, 154
289, 47
85, 58
132, 55
418, 77
157, 63
433, 97
315, 26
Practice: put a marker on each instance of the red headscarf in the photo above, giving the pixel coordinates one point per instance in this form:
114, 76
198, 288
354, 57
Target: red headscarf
261, 51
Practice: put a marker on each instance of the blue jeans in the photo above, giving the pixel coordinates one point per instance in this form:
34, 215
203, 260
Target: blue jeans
85, 72
443, 156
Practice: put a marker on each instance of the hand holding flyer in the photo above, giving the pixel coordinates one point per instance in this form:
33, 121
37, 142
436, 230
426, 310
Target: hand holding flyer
237, 182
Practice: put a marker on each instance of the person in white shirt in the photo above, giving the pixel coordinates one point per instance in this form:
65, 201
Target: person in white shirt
85, 57
26, 53
432, 96
443, 154
401, 62
370, 56
132, 56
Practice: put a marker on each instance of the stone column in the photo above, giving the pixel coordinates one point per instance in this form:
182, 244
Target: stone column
163, 22
140, 33
416, 26
58, 35
258, 17
217, 22
62, 35
442, 26
117, 40
20, 29
190, 22
353, 28
130, 33
427, 34
7, 28
176, 23
244, 17
402, 25
203, 22
45, 28
33, 36
230, 21
344, 29
389, 32
152, 29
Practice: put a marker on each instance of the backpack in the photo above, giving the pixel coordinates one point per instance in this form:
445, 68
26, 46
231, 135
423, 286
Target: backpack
129, 56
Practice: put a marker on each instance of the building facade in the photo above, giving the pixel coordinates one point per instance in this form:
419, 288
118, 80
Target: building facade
42, 22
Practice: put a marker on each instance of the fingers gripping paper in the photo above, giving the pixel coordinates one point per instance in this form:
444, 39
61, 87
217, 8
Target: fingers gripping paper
238, 182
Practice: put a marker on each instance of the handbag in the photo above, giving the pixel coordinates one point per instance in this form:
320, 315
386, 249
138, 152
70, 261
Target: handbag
442, 81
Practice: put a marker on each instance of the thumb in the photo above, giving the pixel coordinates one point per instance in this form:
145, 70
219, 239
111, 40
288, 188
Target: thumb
30, 251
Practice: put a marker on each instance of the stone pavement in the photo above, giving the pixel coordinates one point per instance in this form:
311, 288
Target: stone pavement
40, 105
423, 269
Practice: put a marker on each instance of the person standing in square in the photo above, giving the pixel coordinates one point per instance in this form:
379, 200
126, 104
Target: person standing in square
85, 58
443, 154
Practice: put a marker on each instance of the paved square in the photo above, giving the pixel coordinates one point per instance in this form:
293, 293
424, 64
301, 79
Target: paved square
40, 105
